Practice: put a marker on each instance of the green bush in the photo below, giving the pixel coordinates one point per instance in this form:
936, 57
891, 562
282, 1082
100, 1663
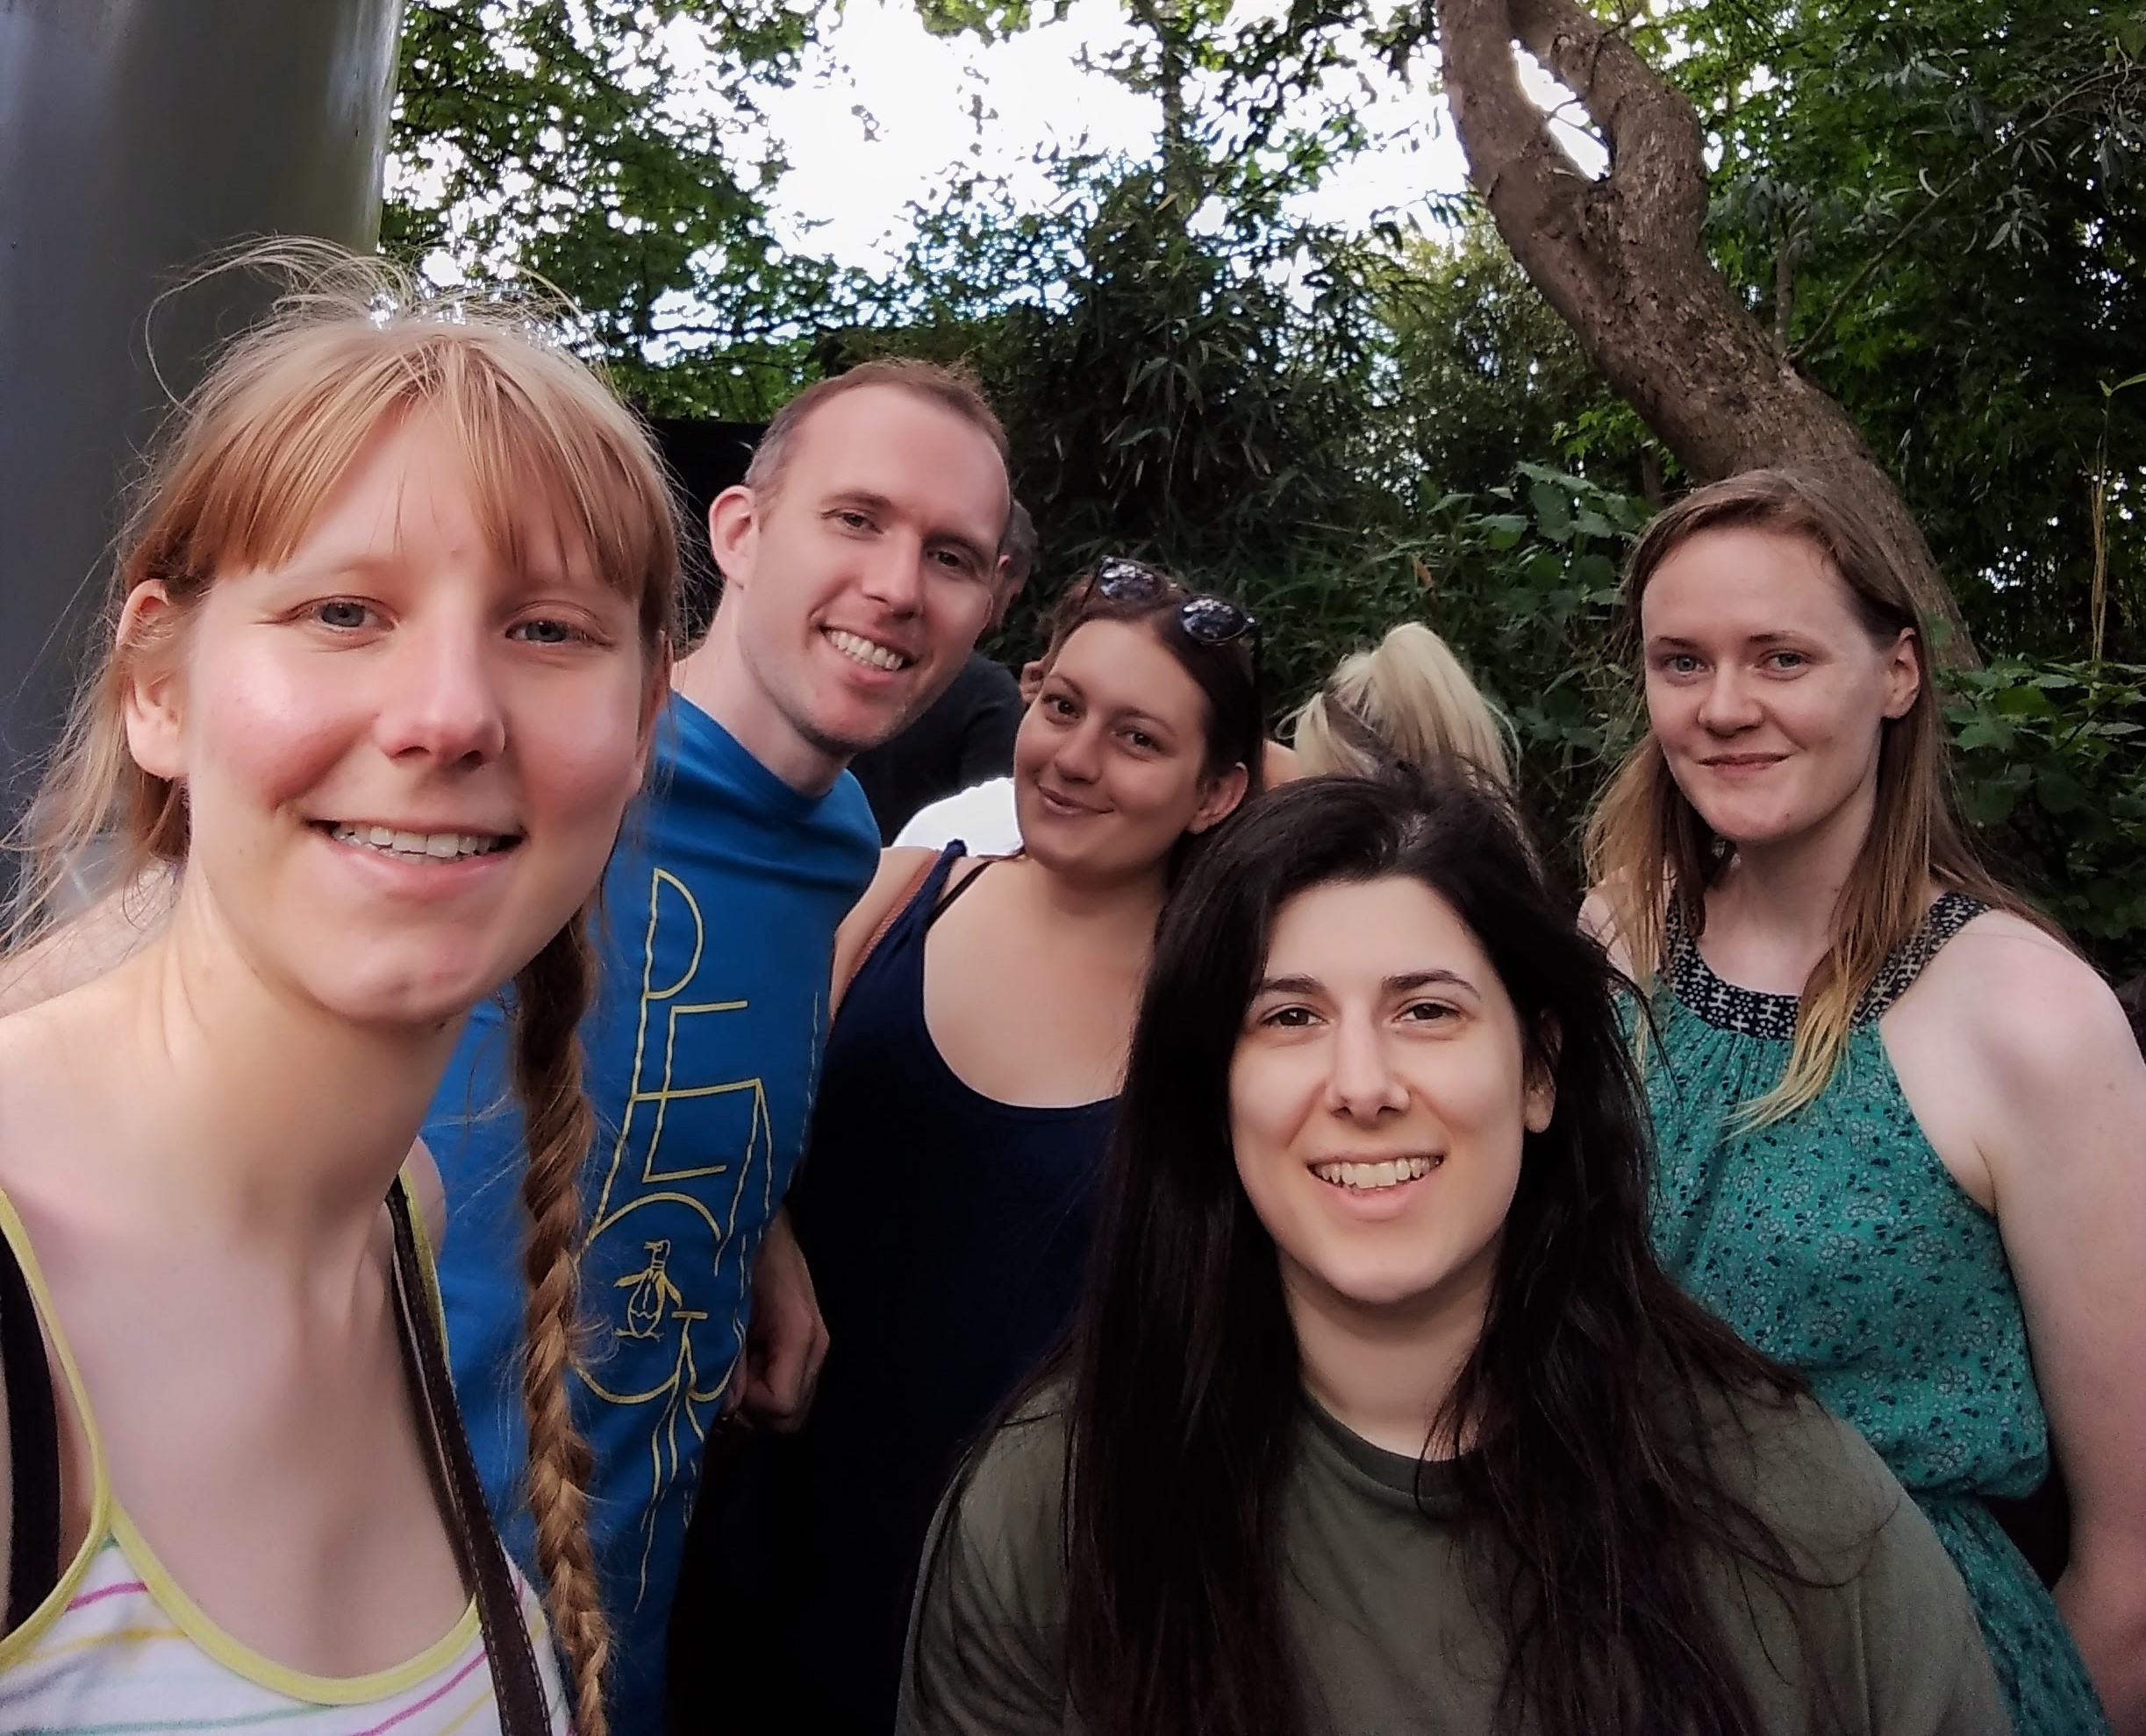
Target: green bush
2050, 763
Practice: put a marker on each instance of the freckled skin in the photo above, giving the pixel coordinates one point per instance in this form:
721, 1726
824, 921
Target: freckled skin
1764, 689
396, 672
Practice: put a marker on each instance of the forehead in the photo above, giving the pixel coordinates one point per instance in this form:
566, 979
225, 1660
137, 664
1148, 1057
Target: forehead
1742, 580
412, 488
1122, 666
1356, 933
904, 447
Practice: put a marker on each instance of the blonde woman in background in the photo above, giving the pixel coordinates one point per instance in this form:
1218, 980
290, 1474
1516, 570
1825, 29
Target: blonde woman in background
1406, 699
1902, 1126
387, 641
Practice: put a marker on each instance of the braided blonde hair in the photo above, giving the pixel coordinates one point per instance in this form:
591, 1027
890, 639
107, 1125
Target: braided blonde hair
247, 462
550, 996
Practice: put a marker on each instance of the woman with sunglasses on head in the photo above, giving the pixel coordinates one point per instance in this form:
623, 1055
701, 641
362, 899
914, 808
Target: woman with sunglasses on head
945, 1200
1379, 1418
388, 639
1902, 1125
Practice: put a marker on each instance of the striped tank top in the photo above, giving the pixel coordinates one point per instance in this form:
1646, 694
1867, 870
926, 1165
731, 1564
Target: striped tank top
117, 1646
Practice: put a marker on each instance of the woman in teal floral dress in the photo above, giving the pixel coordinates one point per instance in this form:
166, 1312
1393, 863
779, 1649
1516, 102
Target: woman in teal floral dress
1902, 1126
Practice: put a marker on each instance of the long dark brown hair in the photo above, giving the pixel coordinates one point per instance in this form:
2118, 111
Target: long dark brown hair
1590, 1399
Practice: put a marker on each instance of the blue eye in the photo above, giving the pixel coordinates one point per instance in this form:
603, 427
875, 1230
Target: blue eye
547, 631
344, 614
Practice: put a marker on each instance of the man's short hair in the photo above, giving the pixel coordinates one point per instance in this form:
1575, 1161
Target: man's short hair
953, 388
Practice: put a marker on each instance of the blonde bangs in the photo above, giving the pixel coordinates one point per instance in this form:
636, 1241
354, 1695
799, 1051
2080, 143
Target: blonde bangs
279, 432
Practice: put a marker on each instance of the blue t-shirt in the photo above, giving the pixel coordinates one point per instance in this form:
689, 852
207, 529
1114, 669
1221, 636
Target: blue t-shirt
716, 940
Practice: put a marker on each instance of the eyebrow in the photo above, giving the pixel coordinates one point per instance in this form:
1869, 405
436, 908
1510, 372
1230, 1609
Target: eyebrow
1670, 641
1400, 983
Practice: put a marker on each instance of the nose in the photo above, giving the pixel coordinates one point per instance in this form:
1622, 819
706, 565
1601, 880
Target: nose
1361, 1083
1728, 703
1079, 757
440, 696
893, 575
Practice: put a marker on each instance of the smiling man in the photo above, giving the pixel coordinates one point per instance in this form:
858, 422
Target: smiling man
861, 559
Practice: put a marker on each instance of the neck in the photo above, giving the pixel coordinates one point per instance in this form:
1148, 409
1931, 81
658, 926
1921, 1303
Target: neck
1383, 1374
271, 1121
717, 678
1133, 903
1791, 888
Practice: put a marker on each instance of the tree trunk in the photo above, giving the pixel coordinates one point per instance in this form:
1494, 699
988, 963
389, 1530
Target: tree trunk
1622, 259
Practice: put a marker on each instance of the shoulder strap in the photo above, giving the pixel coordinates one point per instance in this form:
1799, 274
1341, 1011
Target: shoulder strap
517, 1686
909, 889
1945, 918
947, 898
33, 1448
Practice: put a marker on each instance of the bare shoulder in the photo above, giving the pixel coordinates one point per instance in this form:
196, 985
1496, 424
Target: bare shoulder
898, 870
1598, 921
2018, 1000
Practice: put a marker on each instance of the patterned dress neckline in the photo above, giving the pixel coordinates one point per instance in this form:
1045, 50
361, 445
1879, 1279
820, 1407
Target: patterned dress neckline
1753, 1013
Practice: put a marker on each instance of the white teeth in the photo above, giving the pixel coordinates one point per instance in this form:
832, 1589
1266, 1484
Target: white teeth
434, 845
1366, 1176
863, 651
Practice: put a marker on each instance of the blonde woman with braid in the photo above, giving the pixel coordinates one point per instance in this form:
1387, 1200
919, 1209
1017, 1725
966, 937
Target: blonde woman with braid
1902, 1126
1406, 700
387, 640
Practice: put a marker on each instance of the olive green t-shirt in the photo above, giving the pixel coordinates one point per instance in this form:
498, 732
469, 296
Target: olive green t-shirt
1388, 1593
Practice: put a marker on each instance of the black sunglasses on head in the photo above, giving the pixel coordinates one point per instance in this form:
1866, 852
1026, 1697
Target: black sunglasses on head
1207, 620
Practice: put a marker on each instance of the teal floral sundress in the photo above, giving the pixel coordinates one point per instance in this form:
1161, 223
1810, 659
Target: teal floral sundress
1836, 1241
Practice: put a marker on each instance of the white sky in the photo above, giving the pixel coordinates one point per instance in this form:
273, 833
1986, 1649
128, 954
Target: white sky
936, 102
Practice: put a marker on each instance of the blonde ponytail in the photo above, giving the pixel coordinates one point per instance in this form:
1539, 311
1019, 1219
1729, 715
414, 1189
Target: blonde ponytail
1406, 699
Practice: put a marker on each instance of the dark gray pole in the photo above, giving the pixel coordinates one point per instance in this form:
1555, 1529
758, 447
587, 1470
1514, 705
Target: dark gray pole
137, 136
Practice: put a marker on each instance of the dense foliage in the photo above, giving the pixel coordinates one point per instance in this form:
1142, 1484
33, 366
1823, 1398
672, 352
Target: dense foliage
1937, 206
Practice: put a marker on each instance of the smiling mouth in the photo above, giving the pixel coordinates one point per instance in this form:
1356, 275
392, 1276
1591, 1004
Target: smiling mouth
1065, 801
1743, 761
438, 846
871, 654
1370, 1177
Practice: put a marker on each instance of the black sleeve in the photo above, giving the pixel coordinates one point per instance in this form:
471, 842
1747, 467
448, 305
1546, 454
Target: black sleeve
988, 730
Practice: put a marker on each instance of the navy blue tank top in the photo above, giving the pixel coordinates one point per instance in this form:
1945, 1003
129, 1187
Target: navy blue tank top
948, 1235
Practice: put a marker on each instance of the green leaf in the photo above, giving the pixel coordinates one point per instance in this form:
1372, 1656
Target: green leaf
2059, 791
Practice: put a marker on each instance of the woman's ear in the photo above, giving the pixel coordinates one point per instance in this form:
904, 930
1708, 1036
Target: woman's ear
1903, 673
152, 691
1220, 797
1542, 1100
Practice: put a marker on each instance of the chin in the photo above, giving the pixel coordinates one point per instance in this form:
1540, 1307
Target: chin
421, 997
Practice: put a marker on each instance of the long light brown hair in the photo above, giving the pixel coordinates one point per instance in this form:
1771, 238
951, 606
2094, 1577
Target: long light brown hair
1650, 856
247, 462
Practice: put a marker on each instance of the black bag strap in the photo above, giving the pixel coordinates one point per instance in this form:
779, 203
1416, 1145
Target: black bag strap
33, 1447
517, 1686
